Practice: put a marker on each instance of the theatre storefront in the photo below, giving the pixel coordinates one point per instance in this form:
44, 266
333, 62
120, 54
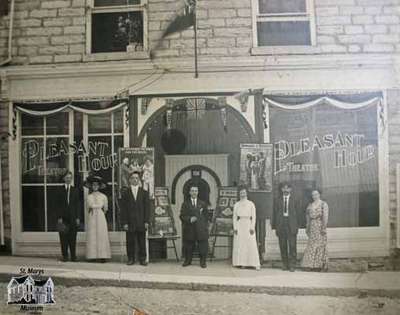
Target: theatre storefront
336, 143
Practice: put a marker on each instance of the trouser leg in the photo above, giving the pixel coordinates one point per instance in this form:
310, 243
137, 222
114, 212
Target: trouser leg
283, 246
293, 249
130, 245
72, 243
141, 240
203, 249
189, 246
64, 245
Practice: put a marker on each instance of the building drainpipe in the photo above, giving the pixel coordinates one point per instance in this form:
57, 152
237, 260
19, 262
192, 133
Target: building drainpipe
10, 33
1, 209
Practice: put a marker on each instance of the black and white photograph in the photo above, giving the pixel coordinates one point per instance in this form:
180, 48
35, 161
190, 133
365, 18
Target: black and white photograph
256, 166
193, 157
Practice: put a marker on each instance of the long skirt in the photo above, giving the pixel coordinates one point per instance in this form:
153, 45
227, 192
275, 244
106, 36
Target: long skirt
245, 251
97, 241
316, 252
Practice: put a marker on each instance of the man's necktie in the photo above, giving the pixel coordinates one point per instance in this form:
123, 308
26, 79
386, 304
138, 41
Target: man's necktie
286, 210
68, 194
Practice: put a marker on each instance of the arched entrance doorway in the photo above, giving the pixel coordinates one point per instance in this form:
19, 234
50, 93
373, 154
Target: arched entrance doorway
209, 142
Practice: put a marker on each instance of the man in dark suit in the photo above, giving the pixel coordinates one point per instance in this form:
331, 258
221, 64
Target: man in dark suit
194, 217
135, 218
68, 209
285, 221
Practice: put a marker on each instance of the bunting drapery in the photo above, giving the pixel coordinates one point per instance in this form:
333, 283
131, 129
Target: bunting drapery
325, 100
90, 108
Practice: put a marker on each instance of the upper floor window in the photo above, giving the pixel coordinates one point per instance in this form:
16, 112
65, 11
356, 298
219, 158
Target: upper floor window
117, 26
284, 22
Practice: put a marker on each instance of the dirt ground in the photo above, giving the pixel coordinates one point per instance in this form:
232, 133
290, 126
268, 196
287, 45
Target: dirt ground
113, 300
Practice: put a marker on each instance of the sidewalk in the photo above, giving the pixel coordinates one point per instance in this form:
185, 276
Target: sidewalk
219, 276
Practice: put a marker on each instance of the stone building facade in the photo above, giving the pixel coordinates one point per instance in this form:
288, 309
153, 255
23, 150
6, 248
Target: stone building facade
351, 47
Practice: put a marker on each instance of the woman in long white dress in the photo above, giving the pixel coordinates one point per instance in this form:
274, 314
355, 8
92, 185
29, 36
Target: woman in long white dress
97, 241
245, 251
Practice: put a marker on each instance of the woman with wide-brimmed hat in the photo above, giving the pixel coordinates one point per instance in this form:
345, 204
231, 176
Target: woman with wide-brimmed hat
97, 241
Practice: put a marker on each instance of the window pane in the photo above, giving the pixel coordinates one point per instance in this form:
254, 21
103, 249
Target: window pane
100, 157
104, 3
334, 150
283, 33
31, 125
109, 215
57, 124
33, 208
114, 31
32, 160
57, 158
99, 123
118, 122
282, 6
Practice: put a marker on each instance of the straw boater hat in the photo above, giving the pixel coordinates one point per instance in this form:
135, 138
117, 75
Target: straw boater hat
94, 179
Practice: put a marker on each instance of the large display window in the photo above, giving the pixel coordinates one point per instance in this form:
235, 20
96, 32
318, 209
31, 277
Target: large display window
72, 140
334, 149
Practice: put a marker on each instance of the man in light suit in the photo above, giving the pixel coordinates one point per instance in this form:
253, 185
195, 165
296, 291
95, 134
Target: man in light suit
194, 217
68, 208
135, 215
286, 221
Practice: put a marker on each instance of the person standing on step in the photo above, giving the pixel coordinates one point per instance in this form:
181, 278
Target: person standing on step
285, 221
194, 217
135, 204
68, 209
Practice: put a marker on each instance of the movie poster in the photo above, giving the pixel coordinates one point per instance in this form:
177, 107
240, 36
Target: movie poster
222, 223
137, 160
256, 166
162, 223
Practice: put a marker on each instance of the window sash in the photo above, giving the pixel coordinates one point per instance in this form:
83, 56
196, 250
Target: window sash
308, 16
142, 7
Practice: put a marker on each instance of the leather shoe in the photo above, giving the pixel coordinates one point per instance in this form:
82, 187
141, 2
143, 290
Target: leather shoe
63, 259
130, 262
74, 259
203, 264
143, 263
186, 263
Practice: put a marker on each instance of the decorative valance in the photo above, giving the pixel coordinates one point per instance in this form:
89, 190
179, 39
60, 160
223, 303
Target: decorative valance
85, 107
324, 100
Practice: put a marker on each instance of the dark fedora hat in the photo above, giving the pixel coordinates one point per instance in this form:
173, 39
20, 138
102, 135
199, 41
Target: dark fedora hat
94, 179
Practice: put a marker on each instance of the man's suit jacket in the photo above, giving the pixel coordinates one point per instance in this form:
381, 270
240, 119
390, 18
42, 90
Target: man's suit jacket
277, 216
199, 229
135, 213
68, 212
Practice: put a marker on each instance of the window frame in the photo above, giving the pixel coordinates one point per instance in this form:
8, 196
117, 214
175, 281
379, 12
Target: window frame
112, 134
308, 16
102, 56
44, 136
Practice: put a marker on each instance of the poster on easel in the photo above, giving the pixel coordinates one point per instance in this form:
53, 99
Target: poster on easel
223, 217
137, 160
256, 166
162, 221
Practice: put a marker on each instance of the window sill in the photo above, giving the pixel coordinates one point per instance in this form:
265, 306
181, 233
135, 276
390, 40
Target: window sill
112, 56
284, 50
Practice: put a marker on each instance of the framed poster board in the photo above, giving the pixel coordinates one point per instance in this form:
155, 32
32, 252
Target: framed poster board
137, 160
256, 166
222, 222
162, 220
